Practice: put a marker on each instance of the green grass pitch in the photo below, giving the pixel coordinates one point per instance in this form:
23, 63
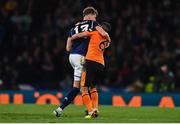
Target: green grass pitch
29, 113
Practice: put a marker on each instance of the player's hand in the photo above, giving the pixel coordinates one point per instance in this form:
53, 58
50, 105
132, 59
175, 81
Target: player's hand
107, 44
108, 37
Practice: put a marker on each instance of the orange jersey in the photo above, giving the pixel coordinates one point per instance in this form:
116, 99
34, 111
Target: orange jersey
96, 47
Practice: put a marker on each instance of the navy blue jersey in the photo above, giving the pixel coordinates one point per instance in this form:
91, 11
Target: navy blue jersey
80, 45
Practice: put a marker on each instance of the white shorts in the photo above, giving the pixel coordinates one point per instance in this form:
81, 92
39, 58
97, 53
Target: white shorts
77, 61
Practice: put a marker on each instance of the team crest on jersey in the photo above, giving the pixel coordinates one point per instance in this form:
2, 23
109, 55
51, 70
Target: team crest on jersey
103, 45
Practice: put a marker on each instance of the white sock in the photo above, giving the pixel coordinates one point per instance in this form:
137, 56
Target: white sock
59, 109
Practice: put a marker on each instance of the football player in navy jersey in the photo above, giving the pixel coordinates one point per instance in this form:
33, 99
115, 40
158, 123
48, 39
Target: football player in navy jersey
77, 52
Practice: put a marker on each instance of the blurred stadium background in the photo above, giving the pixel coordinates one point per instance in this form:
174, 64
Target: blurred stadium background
144, 56
142, 64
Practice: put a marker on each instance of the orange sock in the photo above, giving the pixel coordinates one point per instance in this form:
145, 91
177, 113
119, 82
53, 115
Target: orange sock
94, 98
87, 101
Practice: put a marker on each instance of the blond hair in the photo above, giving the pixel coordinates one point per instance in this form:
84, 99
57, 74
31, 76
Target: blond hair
90, 10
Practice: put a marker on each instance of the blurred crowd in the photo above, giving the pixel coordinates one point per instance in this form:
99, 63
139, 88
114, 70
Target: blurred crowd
144, 55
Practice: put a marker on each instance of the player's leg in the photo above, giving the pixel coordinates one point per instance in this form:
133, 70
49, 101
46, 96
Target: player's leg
87, 100
76, 63
70, 95
87, 78
84, 92
94, 98
67, 99
94, 93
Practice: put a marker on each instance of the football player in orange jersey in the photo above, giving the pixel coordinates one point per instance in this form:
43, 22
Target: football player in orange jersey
94, 66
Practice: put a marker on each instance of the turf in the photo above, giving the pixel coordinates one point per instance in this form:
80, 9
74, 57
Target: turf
43, 114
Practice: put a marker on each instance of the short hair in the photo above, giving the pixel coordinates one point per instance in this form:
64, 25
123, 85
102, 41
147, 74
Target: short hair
90, 10
106, 26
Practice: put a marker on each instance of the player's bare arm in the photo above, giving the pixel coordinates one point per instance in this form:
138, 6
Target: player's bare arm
79, 35
69, 44
103, 33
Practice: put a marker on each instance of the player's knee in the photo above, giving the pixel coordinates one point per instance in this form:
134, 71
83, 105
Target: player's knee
84, 89
77, 75
76, 84
77, 78
93, 89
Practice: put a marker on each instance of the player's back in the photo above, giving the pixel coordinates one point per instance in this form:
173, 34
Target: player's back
96, 47
80, 45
